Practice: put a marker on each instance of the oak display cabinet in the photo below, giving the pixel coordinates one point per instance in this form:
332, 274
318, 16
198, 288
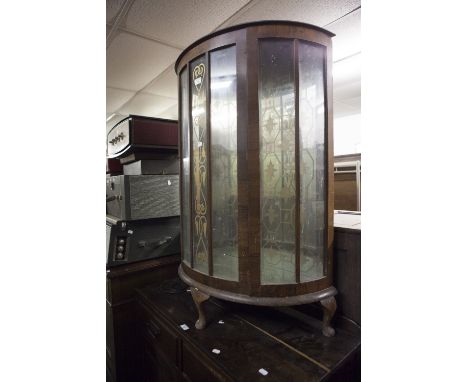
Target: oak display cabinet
255, 112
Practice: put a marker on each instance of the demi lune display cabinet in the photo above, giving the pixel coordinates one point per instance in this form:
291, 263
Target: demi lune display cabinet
255, 117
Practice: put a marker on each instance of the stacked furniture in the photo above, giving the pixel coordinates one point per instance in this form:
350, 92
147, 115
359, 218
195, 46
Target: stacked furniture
143, 229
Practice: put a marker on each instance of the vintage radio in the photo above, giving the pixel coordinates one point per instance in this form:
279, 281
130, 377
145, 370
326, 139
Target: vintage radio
128, 241
138, 135
132, 197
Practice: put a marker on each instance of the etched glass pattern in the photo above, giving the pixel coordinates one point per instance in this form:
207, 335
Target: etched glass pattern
277, 161
184, 118
200, 175
312, 160
223, 159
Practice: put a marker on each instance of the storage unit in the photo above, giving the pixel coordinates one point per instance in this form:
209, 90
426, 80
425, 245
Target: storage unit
124, 360
347, 264
257, 155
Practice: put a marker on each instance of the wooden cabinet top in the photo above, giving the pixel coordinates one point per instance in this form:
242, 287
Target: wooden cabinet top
285, 342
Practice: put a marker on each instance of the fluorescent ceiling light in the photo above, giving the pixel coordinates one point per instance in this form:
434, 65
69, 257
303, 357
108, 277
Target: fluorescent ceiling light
347, 68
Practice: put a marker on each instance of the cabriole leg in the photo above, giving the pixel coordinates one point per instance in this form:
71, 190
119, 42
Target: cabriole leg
199, 298
329, 308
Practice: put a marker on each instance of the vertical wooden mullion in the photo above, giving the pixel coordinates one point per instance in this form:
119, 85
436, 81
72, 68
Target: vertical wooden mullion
190, 142
297, 162
181, 167
329, 166
242, 164
208, 161
253, 162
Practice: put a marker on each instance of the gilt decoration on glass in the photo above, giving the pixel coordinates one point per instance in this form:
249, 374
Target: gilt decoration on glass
200, 173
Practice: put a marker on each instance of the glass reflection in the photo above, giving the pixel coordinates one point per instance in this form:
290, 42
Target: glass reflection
312, 160
224, 163
184, 118
277, 161
200, 175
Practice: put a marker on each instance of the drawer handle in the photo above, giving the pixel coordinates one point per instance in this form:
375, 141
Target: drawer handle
153, 329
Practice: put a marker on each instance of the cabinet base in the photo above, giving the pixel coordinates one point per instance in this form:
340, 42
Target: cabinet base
201, 293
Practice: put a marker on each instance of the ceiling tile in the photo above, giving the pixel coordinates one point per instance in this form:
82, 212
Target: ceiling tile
345, 88
132, 62
353, 102
165, 84
347, 70
148, 105
347, 78
341, 109
348, 35
115, 98
170, 113
135, 63
346, 91
180, 22
320, 12
112, 9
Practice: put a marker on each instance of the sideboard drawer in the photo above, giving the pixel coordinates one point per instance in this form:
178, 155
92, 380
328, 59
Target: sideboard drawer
160, 338
198, 370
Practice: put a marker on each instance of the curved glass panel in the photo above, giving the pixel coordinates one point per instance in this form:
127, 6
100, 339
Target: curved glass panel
277, 161
200, 174
312, 160
223, 160
184, 118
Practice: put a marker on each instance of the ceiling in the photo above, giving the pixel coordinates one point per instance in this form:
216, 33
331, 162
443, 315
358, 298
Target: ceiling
144, 38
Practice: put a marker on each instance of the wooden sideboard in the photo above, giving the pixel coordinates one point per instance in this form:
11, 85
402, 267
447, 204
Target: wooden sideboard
347, 263
123, 350
145, 342
240, 342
